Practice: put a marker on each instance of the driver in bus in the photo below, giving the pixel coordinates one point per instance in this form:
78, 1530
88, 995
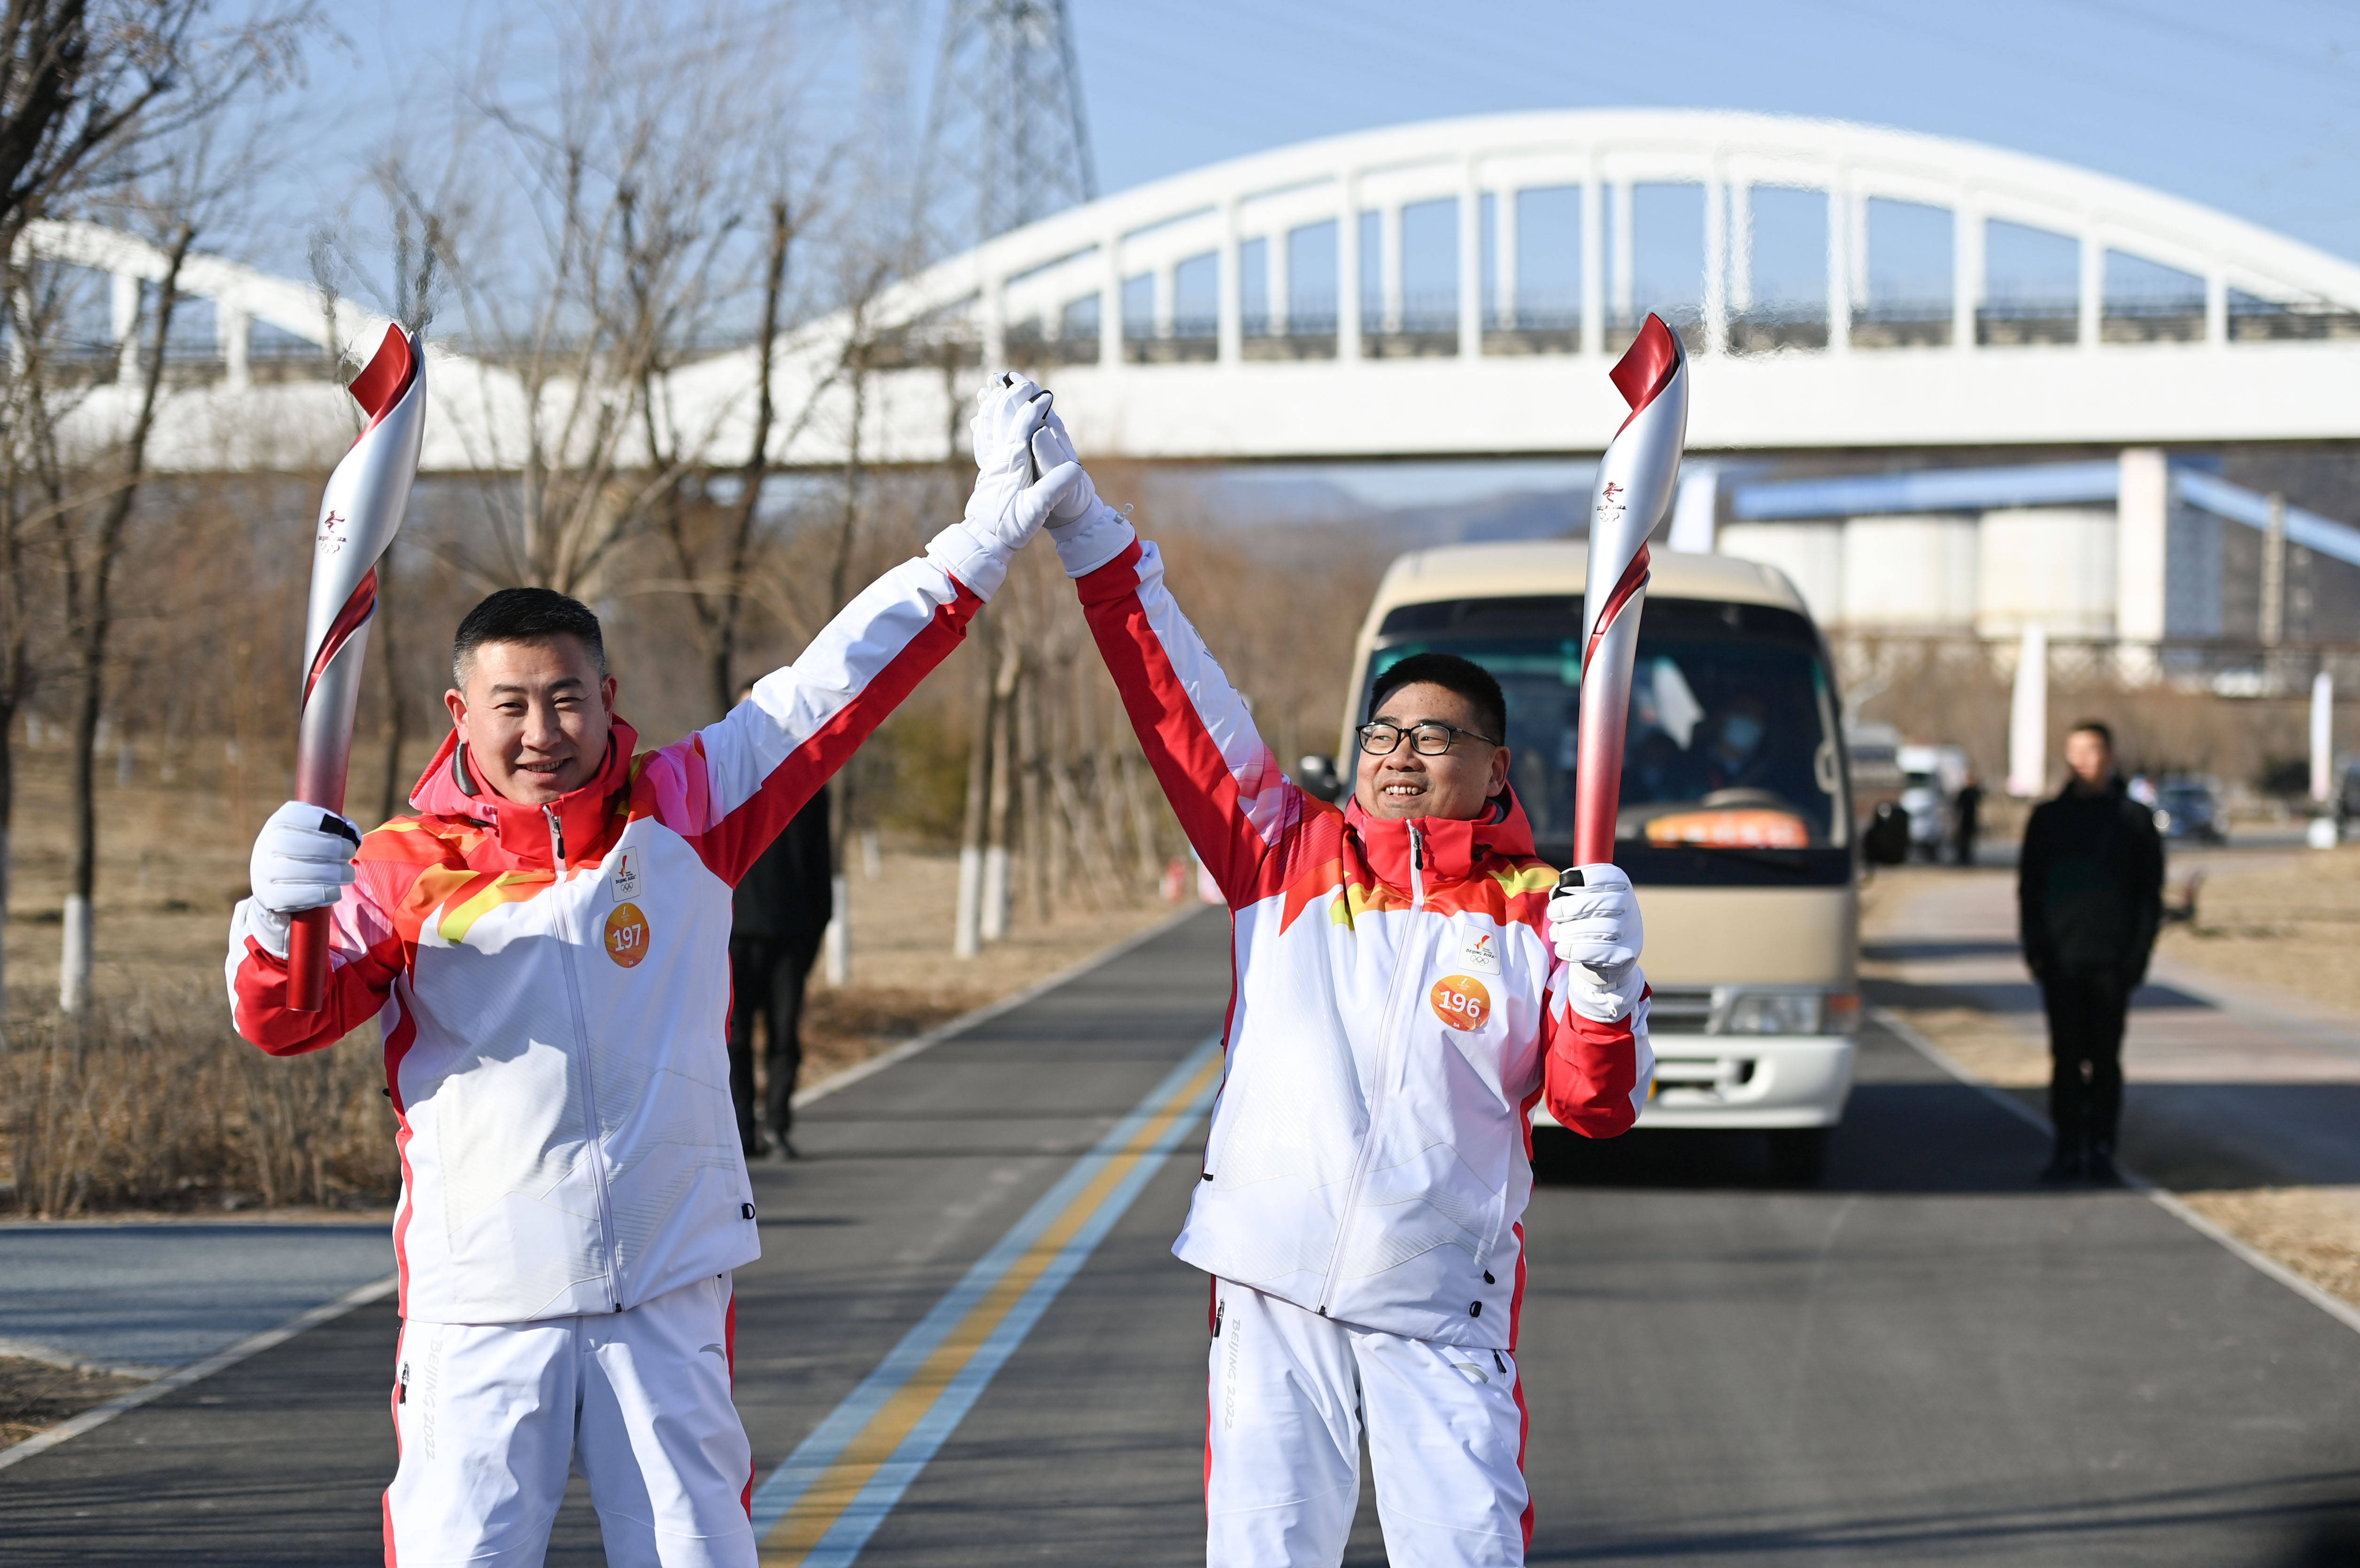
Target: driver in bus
1408, 982
1737, 759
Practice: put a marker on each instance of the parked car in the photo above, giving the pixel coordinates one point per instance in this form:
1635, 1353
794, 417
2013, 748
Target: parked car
2189, 808
1931, 780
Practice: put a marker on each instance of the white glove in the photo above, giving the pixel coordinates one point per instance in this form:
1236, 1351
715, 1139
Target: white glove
1596, 928
1010, 499
302, 858
1087, 532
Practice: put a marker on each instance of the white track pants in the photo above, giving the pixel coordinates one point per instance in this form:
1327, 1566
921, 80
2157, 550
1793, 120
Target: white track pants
1292, 1393
492, 1416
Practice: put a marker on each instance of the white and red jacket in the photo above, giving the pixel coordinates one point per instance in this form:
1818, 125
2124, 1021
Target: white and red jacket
553, 983
1396, 1012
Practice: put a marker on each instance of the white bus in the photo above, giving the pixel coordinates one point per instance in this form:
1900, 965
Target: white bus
1736, 824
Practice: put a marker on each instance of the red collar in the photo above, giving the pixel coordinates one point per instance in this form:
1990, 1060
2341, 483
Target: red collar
1450, 849
584, 817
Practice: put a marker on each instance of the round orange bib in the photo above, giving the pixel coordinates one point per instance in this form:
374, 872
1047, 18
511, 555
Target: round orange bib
1460, 1001
626, 935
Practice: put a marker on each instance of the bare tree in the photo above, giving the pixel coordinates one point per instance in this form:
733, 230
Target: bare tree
98, 102
636, 249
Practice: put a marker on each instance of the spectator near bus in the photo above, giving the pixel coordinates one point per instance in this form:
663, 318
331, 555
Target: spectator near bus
2089, 899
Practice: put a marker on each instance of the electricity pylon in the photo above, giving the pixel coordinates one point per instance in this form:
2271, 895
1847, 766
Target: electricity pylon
1006, 142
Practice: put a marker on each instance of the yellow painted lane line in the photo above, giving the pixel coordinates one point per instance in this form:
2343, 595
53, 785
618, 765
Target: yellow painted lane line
819, 1507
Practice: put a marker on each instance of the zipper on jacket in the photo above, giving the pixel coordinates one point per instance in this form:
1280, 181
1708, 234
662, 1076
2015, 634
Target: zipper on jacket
1386, 1029
596, 1148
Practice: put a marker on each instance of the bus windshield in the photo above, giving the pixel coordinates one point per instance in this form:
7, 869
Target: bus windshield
1733, 768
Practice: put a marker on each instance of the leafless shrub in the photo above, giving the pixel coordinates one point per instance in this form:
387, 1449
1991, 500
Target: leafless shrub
148, 1100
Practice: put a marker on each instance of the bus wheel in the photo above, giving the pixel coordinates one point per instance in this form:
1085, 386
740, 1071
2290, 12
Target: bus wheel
1798, 1156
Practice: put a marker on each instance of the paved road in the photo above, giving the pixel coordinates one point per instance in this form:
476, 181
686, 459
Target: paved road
1929, 1360
165, 1295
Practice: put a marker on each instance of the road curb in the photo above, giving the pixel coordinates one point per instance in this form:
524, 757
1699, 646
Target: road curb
196, 1372
2333, 1305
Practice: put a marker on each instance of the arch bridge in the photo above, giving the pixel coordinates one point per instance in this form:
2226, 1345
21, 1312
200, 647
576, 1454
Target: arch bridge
1450, 288
1268, 308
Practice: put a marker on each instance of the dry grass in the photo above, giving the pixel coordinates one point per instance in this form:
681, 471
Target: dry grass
2291, 922
151, 1103
35, 1395
1985, 1046
2315, 1231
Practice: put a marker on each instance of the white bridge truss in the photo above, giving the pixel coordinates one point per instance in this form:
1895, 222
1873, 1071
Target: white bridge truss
2261, 342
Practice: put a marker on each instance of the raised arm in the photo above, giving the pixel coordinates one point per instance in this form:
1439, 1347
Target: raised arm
732, 787
1225, 787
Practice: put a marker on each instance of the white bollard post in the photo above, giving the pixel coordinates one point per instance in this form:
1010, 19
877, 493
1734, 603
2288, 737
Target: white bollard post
2028, 718
836, 942
967, 930
2326, 830
74, 958
2323, 736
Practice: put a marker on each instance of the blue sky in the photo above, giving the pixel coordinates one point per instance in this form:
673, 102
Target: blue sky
2252, 108
2255, 108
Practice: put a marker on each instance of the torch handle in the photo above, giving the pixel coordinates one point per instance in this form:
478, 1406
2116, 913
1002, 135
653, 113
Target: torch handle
307, 962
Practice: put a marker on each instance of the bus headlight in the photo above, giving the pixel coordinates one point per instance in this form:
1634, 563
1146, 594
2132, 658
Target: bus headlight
1791, 1012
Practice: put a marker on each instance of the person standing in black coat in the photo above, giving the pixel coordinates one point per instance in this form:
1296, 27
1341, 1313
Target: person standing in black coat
2089, 899
783, 906
1967, 808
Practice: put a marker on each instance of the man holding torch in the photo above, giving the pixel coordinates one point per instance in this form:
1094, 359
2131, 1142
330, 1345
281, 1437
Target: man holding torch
1409, 981
545, 945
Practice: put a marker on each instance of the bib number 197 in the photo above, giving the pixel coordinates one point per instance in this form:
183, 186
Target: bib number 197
626, 935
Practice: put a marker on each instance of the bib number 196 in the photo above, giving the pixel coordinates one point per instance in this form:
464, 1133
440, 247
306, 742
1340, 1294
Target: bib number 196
1460, 1001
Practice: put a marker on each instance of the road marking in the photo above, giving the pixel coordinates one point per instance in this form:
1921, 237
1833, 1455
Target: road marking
819, 1507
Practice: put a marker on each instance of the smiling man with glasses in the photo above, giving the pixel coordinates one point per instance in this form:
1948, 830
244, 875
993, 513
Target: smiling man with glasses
1407, 988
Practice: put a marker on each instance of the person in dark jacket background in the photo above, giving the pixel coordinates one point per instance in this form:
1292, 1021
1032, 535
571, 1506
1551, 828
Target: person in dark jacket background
2088, 898
1967, 816
782, 909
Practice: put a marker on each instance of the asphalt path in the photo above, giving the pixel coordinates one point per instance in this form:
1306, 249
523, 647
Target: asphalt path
1928, 1359
163, 1295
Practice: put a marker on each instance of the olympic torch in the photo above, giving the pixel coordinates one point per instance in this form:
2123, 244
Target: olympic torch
359, 515
1635, 481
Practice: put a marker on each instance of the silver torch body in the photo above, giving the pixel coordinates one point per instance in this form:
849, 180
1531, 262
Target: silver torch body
1635, 483
360, 512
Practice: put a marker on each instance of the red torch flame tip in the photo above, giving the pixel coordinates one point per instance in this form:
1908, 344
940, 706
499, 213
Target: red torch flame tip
1646, 367
380, 387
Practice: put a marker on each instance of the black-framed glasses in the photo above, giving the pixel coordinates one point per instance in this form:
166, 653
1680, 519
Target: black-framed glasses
1431, 738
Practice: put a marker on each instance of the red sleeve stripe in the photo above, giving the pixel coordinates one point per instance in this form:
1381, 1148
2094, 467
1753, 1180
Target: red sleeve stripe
1207, 793
745, 829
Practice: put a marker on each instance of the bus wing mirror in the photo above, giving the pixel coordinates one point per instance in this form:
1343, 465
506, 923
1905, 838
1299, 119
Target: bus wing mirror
1318, 777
